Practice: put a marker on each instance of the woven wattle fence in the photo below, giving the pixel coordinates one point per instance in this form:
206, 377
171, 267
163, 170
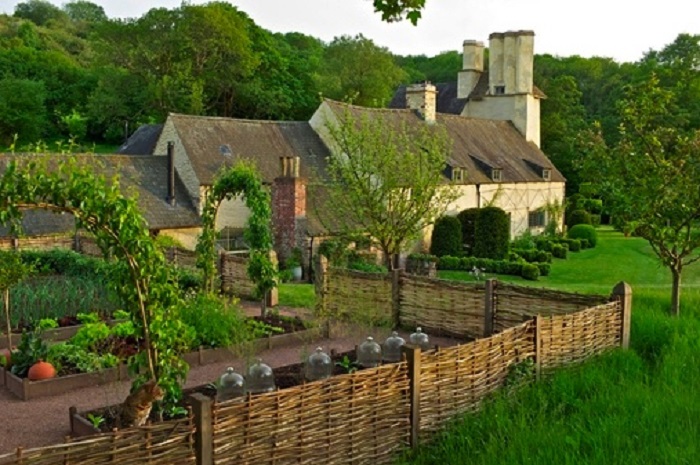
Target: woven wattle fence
359, 418
233, 269
358, 296
36, 243
442, 307
457, 379
167, 443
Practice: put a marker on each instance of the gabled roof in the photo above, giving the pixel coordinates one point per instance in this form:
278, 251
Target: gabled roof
143, 141
478, 144
145, 176
211, 142
447, 101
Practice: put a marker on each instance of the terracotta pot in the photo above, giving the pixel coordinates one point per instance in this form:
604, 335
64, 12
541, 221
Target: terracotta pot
7, 355
41, 370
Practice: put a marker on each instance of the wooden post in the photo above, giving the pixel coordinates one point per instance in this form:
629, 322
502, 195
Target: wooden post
76, 242
321, 288
203, 435
489, 307
623, 291
396, 297
538, 347
413, 357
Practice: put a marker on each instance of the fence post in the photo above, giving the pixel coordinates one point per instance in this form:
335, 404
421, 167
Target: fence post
76, 242
221, 269
203, 437
489, 307
396, 297
623, 291
321, 288
413, 358
538, 347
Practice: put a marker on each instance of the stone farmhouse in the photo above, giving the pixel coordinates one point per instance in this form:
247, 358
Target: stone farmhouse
492, 117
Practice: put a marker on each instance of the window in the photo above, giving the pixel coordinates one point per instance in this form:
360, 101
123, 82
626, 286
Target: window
496, 174
225, 150
459, 174
536, 219
499, 90
546, 174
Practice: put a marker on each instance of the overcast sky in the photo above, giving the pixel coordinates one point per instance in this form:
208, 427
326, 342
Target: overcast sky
621, 29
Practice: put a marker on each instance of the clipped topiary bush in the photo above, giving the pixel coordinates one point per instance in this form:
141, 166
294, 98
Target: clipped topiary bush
467, 219
530, 271
492, 233
578, 217
584, 231
559, 250
447, 237
544, 268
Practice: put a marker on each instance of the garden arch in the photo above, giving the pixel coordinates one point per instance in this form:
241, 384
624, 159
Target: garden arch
239, 179
140, 277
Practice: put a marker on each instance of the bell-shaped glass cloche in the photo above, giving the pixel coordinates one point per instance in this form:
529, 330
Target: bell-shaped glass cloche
369, 353
231, 385
318, 366
420, 339
391, 352
260, 378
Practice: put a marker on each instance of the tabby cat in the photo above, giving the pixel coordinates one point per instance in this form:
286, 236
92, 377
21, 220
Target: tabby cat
138, 404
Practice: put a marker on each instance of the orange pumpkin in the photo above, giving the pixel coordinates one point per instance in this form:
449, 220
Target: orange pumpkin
41, 370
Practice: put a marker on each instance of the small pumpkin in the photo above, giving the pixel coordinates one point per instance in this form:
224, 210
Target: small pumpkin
41, 370
5, 358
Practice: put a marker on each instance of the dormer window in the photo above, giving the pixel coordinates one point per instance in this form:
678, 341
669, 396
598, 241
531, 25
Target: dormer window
499, 90
496, 175
546, 174
225, 150
459, 174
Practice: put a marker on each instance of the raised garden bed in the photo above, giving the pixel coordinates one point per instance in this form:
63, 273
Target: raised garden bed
26, 389
60, 334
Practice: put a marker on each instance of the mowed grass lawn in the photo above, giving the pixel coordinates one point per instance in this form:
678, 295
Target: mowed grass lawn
640, 406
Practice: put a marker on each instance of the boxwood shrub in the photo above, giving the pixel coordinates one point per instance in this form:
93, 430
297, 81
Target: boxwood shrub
531, 255
584, 231
447, 237
578, 217
560, 250
530, 271
467, 218
492, 233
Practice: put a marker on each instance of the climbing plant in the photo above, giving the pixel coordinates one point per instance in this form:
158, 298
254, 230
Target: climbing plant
140, 274
239, 179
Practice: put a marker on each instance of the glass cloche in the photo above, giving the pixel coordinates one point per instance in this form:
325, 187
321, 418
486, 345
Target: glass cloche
420, 339
391, 352
231, 385
260, 378
369, 353
318, 366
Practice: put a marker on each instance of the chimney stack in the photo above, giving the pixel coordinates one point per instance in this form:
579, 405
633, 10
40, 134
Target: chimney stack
472, 67
422, 98
511, 62
288, 207
171, 173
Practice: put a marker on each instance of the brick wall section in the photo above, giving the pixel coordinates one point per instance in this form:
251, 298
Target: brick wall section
288, 204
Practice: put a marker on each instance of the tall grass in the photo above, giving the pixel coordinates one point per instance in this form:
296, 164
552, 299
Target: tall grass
625, 407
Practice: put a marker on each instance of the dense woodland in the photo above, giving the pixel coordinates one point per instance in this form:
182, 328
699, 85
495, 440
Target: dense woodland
72, 72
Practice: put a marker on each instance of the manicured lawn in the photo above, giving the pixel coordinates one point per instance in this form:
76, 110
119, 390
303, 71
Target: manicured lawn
626, 407
297, 295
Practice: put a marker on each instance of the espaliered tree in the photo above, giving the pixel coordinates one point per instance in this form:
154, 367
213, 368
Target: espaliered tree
239, 179
140, 274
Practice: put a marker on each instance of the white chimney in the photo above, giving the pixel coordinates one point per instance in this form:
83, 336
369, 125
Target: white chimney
472, 67
511, 59
422, 98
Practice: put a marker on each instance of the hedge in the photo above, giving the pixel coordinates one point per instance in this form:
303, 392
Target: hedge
492, 233
447, 237
584, 231
506, 267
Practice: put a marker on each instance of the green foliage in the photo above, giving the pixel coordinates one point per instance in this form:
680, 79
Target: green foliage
525, 241
530, 271
90, 336
359, 265
30, 350
560, 250
492, 231
68, 357
213, 322
86, 318
532, 255
584, 231
468, 218
578, 217
47, 323
22, 110
447, 237
242, 178
397, 10
123, 330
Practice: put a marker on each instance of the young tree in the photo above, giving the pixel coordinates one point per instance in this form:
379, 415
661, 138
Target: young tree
386, 180
649, 178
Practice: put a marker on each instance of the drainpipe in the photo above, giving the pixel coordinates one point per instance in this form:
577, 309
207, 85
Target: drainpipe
171, 173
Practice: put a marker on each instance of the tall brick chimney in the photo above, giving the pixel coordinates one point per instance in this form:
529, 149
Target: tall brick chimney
422, 98
288, 206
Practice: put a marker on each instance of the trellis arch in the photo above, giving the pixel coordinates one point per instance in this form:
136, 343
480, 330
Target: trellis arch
239, 179
142, 280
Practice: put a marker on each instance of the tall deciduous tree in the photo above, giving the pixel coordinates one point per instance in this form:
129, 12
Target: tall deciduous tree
386, 180
358, 69
649, 179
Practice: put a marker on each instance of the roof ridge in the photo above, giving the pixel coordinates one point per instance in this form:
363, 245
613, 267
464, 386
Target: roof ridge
373, 109
242, 120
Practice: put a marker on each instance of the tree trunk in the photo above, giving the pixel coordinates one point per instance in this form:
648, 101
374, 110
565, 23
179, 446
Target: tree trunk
676, 291
6, 305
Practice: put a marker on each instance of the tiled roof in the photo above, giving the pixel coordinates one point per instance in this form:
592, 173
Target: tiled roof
211, 142
478, 144
142, 141
144, 175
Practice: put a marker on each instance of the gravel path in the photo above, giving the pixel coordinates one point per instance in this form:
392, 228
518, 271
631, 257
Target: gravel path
44, 421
